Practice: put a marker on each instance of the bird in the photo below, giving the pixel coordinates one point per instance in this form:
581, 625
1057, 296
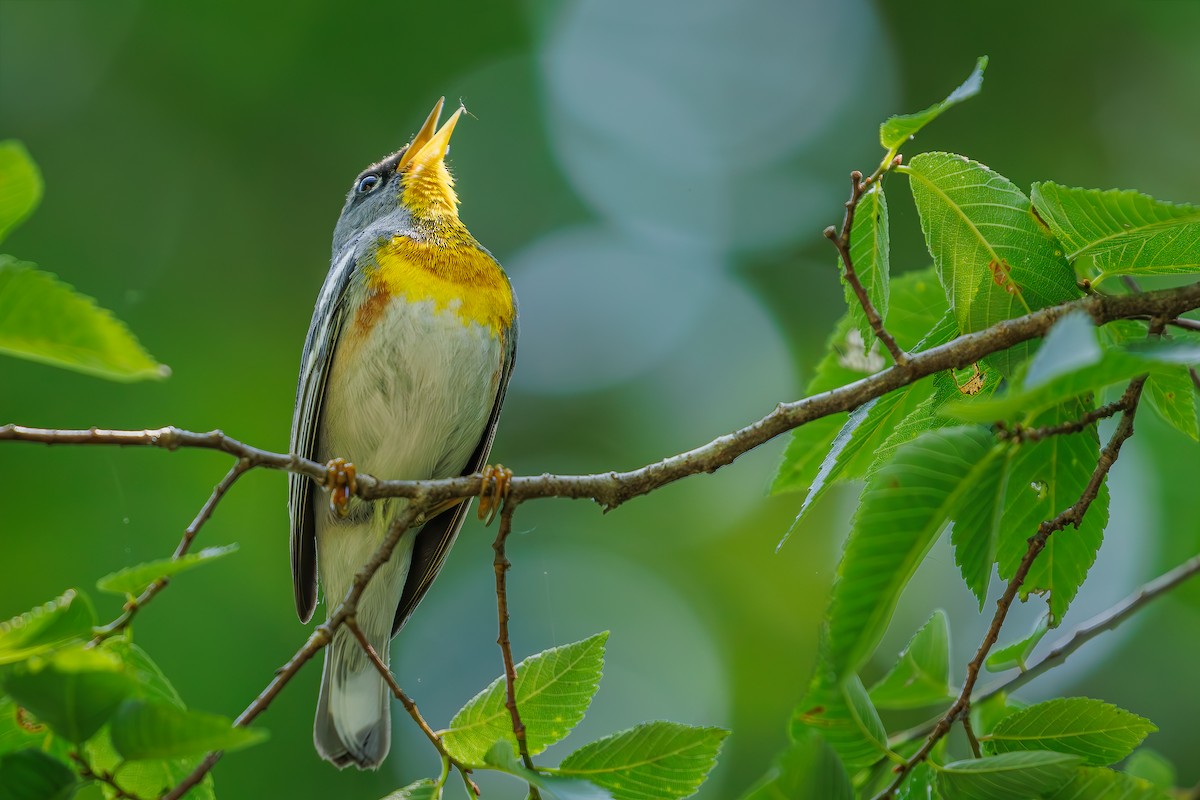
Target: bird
403, 375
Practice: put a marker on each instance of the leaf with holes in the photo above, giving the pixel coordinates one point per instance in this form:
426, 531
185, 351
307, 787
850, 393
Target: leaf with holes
1099, 733
553, 691
994, 259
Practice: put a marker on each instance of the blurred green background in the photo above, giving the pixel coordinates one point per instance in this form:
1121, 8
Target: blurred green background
655, 177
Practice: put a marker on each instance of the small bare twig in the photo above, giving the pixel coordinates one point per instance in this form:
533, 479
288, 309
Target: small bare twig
500, 565
1072, 515
90, 773
841, 241
240, 467
1020, 433
972, 739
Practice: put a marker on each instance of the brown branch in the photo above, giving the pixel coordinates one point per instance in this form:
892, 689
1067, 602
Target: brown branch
1021, 433
1072, 515
841, 241
320, 637
972, 739
109, 779
501, 564
611, 489
240, 467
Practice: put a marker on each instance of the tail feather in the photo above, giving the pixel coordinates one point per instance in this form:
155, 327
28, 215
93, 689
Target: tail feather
353, 725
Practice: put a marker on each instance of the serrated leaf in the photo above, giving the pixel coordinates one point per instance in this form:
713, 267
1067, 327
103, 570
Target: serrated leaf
1121, 232
1152, 767
1008, 776
921, 676
33, 775
501, 756
841, 711
652, 761
43, 319
1099, 733
133, 580
904, 506
993, 258
65, 619
1098, 783
897, 130
553, 691
74, 691
985, 715
153, 730
424, 789
870, 252
808, 769
1015, 655
20, 186
1045, 478
979, 521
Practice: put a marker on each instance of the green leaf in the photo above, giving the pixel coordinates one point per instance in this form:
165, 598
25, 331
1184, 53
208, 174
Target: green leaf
20, 186
65, 619
1099, 733
1045, 478
921, 676
904, 506
75, 691
921, 784
1098, 783
1016, 655
133, 580
150, 682
897, 130
43, 319
33, 775
841, 711
1008, 776
993, 258
986, 715
501, 756
653, 761
144, 730
553, 691
979, 521
1151, 766
1121, 232
807, 770
424, 789
870, 252
1171, 393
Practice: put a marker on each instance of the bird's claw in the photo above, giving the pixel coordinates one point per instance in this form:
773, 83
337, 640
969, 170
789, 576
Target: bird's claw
341, 479
496, 484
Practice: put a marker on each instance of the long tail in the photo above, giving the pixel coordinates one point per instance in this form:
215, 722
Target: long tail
353, 725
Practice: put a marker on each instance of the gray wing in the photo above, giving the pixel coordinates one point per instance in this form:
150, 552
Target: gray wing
314, 374
437, 536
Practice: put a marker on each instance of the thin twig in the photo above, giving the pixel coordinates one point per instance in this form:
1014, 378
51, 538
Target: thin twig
1020, 433
1072, 515
88, 772
841, 241
240, 467
500, 565
972, 739
320, 637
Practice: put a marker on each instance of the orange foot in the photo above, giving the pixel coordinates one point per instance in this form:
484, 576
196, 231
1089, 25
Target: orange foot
496, 479
341, 479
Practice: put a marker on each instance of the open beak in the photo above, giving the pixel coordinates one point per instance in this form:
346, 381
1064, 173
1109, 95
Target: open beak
431, 143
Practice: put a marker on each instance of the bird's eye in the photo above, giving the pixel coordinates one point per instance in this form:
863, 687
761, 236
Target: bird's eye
368, 183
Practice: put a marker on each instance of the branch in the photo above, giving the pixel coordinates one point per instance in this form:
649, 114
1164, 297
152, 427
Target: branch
1020, 433
501, 565
841, 241
1072, 515
320, 637
611, 489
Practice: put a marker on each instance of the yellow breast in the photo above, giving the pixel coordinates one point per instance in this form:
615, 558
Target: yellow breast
454, 273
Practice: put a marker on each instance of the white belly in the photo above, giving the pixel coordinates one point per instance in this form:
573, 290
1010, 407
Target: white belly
411, 398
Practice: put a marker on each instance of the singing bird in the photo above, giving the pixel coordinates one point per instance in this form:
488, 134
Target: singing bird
403, 374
